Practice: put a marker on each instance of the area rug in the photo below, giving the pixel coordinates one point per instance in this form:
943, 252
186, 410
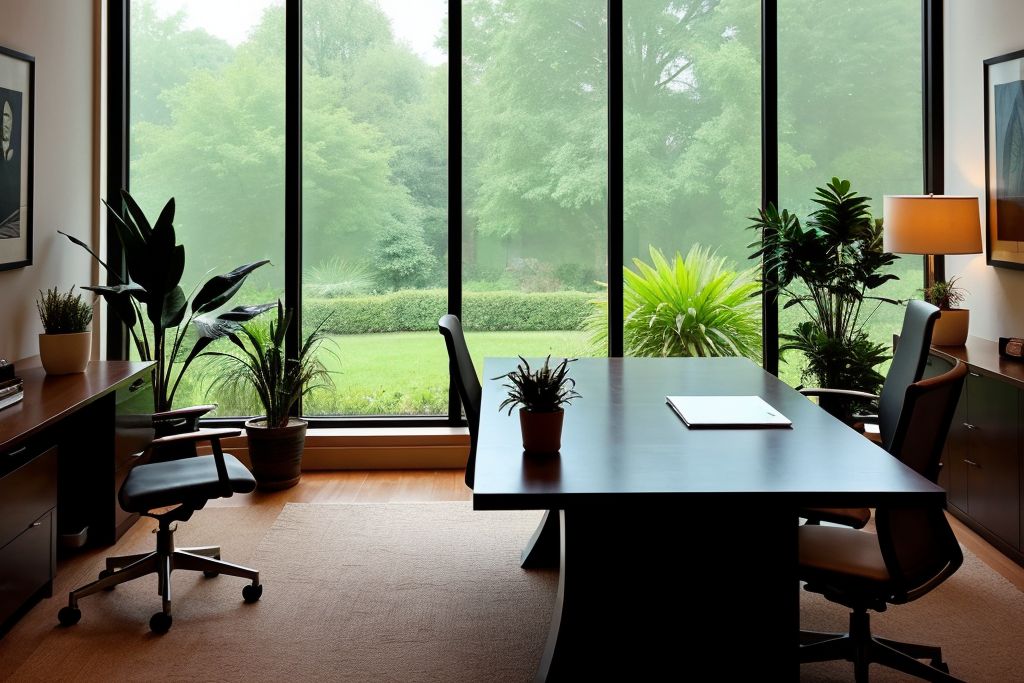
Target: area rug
418, 592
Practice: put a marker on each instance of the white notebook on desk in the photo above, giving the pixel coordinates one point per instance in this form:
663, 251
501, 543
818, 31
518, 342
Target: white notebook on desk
726, 411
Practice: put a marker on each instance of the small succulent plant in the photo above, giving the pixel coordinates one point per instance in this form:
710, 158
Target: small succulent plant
543, 390
945, 295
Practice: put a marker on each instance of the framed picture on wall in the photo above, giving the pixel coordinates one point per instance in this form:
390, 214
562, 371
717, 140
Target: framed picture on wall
1004, 159
17, 108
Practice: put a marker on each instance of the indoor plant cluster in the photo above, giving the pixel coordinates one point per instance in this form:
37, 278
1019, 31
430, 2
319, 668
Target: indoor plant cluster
952, 325
828, 269
541, 392
65, 343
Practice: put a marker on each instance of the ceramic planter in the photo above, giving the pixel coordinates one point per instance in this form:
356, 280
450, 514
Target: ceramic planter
951, 327
276, 453
63, 354
542, 432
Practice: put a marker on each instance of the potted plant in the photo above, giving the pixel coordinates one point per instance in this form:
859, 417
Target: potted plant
541, 393
151, 303
277, 439
828, 270
951, 327
66, 342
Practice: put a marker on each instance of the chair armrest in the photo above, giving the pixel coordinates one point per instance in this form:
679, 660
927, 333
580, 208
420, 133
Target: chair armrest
866, 419
183, 413
840, 393
198, 435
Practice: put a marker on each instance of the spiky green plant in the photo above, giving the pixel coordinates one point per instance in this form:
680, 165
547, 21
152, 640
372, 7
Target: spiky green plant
261, 365
63, 313
693, 306
543, 390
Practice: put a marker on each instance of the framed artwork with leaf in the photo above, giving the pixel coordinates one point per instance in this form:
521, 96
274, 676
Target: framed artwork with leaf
17, 107
1004, 160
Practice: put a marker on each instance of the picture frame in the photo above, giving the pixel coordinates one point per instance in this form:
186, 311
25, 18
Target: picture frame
17, 153
1004, 160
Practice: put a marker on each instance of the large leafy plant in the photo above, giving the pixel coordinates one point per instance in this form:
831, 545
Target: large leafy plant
828, 269
261, 364
692, 306
152, 304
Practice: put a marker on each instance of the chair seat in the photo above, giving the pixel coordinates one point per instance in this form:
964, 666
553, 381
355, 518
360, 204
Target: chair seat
842, 558
163, 484
853, 517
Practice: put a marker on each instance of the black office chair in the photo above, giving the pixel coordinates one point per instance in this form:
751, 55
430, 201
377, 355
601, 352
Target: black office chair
543, 548
913, 552
170, 473
907, 367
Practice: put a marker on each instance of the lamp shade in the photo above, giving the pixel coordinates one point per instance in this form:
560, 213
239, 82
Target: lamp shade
931, 224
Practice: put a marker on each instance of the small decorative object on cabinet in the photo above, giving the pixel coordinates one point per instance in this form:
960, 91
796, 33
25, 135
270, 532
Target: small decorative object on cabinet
65, 343
952, 325
277, 439
541, 393
1011, 347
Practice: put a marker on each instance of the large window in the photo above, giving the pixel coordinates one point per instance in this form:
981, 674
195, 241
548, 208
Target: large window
521, 89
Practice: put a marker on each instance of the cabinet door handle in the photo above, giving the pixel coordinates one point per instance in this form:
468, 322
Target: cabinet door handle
137, 384
969, 425
973, 374
971, 463
33, 525
17, 451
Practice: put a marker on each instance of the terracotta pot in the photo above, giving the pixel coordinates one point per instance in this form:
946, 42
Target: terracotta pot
63, 354
951, 327
276, 453
542, 432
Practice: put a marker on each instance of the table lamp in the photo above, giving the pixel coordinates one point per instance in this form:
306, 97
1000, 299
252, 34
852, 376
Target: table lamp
932, 225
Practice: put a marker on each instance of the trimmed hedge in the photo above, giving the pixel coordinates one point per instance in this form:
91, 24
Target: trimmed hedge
417, 310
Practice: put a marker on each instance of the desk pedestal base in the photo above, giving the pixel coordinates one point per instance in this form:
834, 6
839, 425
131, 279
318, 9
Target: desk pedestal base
663, 590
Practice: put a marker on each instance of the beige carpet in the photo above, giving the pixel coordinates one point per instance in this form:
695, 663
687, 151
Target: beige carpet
412, 592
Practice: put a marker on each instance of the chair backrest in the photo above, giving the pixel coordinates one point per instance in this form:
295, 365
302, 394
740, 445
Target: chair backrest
917, 543
466, 382
907, 365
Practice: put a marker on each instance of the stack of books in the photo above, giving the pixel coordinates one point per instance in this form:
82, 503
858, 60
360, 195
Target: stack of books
11, 387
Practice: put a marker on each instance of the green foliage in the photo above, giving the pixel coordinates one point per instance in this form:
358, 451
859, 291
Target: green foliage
155, 263
279, 381
402, 256
692, 306
827, 270
544, 390
577, 276
945, 294
418, 310
63, 313
335, 277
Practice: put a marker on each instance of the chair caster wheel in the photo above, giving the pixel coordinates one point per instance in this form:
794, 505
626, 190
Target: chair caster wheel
69, 616
104, 574
210, 575
160, 623
252, 592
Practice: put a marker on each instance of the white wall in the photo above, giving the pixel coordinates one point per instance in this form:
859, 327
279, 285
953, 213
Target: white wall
976, 30
59, 34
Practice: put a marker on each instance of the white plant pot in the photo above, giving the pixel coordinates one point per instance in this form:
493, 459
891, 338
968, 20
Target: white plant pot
951, 327
63, 354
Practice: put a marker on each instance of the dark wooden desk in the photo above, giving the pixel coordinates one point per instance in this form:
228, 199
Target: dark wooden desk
59, 468
661, 524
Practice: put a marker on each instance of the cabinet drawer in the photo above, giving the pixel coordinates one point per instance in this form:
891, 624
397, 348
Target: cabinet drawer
26, 565
27, 493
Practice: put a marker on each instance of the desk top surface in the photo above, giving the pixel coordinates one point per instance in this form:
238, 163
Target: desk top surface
621, 439
49, 398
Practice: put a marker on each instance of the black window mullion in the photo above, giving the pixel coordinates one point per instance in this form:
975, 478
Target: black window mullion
769, 173
932, 112
456, 222
118, 104
293, 179
616, 216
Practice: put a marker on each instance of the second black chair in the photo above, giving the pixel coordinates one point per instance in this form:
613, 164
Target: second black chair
543, 548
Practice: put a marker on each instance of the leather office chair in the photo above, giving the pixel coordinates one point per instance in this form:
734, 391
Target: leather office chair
170, 473
543, 548
907, 367
913, 552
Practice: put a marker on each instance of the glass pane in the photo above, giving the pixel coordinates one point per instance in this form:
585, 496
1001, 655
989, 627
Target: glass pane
534, 176
692, 119
850, 107
207, 128
375, 202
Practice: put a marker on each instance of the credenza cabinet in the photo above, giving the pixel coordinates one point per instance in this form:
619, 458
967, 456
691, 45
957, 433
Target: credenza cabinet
982, 462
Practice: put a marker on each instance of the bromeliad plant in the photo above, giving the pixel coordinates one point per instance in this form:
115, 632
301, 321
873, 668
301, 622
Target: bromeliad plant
279, 381
544, 390
151, 296
828, 269
693, 306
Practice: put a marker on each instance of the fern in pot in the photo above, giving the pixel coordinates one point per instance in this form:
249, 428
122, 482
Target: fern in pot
541, 393
66, 341
259, 363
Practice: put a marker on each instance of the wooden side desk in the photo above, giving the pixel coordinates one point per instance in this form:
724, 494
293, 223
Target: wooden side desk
59, 468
